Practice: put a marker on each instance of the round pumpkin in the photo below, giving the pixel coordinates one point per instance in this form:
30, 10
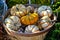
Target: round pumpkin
31, 18
8, 20
44, 10
19, 10
45, 22
31, 29
45, 18
30, 9
13, 22
45, 13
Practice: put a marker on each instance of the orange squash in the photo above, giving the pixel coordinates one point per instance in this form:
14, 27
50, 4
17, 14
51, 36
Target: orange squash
31, 18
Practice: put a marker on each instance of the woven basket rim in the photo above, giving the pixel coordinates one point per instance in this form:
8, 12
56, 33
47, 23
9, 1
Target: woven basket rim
28, 35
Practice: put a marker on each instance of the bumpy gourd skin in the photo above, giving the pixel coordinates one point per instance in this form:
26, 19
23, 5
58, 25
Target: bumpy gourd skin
29, 19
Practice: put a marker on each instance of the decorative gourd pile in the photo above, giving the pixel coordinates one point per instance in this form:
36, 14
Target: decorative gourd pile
28, 19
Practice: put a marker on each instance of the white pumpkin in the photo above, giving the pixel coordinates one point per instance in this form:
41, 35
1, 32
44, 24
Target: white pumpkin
45, 21
45, 13
31, 29
8, 20
13, 22
18, 10
14, 18
12, 27
30, 9
45, 18
44, 10
44, 25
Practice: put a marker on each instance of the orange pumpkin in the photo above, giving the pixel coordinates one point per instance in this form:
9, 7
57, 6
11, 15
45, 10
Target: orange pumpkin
31, 18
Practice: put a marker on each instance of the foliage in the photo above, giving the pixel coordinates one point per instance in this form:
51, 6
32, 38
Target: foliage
13, 2
44, 2
56, 7
54, 33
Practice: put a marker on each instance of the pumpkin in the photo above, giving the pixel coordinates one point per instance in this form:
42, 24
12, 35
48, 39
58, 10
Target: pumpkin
45, 13
8, 20
44, 10
45, 22
31, 29
13, 22
19, 10
45, 18
30, 9
31, 18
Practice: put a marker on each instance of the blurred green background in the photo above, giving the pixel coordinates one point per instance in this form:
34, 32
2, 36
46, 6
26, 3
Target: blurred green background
42, 2
55, 7
54, 33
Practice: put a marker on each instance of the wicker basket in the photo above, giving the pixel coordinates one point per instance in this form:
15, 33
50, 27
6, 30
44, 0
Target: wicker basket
33, 36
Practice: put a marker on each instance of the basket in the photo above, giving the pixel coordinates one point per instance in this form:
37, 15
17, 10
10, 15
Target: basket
32, 36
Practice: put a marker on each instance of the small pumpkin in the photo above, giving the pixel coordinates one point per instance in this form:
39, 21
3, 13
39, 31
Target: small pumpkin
45, 18
30, 9
45, 21
31, 29
8, 20
44, 10
13, 22
31, 18
45, 13
19, 10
